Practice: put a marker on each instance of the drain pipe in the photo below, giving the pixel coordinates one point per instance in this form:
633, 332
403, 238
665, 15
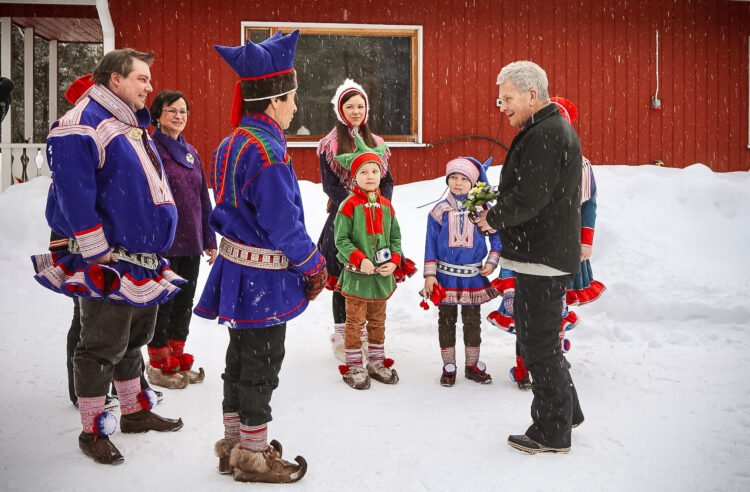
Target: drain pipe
655, 101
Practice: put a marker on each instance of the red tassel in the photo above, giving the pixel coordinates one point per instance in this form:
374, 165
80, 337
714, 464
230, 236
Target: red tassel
236, 116
438, 294
388, 362
424, 305
343, 369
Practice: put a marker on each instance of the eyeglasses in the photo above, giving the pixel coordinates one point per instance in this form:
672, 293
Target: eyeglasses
175, 112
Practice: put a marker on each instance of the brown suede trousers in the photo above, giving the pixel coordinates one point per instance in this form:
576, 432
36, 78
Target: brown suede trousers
447, 319
357, 313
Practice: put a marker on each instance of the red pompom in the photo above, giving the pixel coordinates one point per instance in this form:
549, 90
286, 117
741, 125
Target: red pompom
170, 364
343, 369
186, 362
424, 305
144, 400
388, 362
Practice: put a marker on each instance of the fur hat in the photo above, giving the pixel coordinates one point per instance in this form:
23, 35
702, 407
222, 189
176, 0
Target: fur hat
266, 69
362, 154
469, 167
566, 107
344, 89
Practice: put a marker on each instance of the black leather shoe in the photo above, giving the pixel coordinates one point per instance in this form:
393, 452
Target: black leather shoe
528, 445
99, 448
146, 420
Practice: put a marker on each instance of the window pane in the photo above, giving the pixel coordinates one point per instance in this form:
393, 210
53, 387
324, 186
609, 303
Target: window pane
382, 65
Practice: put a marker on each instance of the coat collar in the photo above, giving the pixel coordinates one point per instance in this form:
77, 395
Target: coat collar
360, 193
266, 124
542, 114
117, 107
178, 149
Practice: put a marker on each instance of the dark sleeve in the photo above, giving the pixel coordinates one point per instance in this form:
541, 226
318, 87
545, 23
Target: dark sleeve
332, 186
386, 185
536, 181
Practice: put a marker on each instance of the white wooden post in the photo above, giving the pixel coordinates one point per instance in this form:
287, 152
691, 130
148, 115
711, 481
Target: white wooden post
28, 84
5, 130
52, 82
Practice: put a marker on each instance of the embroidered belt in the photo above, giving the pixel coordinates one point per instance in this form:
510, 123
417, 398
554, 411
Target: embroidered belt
251, 256
146, 260
469, 270
355, 269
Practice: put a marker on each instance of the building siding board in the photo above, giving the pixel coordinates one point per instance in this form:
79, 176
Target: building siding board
600, 54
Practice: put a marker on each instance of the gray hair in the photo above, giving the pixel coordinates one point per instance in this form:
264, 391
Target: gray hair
525, 75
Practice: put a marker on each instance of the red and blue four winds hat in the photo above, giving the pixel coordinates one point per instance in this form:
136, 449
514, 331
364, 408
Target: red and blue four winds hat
266, 69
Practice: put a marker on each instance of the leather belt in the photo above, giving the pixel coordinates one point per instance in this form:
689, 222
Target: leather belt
146, 260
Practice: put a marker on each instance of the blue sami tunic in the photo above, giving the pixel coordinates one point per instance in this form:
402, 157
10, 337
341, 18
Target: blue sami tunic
258, 203
453, 239
108, 190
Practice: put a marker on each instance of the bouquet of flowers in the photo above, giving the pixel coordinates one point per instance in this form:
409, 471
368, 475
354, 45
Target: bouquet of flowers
480, 195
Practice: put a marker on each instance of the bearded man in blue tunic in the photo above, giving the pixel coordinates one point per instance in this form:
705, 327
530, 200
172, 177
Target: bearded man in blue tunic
268, 267
111, 204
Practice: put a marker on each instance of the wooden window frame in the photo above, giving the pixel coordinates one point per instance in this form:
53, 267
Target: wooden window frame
414, 31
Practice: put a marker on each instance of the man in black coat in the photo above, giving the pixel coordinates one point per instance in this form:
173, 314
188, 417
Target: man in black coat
538, 216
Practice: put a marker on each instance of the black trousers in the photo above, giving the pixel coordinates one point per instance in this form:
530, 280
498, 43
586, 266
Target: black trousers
173, 320
253, 362
338, 304
472, 321
110, 345
538, 314
74, 336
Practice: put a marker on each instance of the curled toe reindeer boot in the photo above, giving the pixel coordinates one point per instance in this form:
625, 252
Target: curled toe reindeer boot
265, 466
176, 350
164, 370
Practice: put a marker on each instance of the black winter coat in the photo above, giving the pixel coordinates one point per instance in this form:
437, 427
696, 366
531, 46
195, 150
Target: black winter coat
538, 213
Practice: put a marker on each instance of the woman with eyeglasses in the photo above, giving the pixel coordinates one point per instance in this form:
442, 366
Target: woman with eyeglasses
169, 366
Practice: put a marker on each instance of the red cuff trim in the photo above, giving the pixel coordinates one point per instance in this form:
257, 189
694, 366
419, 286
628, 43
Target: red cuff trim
587, 235
396, 258
356, 257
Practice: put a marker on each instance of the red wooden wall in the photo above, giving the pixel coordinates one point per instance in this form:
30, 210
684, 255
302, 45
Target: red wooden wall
599, 53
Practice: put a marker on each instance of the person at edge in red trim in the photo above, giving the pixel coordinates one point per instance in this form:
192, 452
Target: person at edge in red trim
268, 268
111, 199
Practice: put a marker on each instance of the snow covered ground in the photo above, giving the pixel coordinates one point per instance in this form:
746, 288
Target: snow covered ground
661, 363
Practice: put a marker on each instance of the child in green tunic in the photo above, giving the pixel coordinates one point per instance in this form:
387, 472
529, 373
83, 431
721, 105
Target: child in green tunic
368, 240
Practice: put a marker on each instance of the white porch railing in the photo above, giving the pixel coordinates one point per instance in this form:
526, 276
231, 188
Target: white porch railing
22, 162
